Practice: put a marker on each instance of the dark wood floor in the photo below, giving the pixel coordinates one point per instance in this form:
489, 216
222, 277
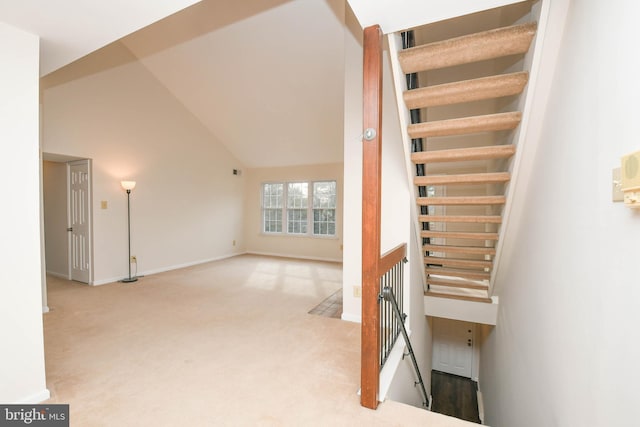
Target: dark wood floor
454, 396
330, 307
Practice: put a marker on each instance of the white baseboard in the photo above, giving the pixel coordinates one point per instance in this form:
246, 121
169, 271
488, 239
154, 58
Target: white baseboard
351, 317
168, 268
60, 275
188, 264
36, 398
45, 309
310, 258
106, 281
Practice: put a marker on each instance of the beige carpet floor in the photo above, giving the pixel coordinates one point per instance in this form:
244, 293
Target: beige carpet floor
227, 343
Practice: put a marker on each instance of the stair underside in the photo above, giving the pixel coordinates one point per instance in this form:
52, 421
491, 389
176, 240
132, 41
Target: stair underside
458, 283
468, 219
490, 44
461, 200
471, 178
474, 298
458, 288
458, 262
458, 235
464, 154
462, 273
466, 125
470, 250
466, 90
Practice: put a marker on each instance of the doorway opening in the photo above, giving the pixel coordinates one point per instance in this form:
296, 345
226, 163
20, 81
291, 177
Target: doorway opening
67, 217
455, 365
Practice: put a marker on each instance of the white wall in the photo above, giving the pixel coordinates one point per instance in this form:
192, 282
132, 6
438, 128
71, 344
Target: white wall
396, 203
54, 182
395, 188
565, 349
321, 248
352, 233
22, 376
187, 205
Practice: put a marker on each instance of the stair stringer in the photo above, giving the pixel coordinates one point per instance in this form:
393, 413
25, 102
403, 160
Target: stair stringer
400, 85
532, 62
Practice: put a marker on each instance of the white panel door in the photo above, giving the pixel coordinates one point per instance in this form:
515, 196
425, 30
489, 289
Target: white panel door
79, 221
452, 346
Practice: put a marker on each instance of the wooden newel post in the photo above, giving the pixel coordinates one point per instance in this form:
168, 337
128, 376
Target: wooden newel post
371, 205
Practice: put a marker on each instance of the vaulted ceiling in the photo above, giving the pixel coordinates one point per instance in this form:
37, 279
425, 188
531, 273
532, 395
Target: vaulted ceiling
265, 77
70, 29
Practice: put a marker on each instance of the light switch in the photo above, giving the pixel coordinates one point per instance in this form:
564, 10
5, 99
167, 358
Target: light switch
103, 204
616, 186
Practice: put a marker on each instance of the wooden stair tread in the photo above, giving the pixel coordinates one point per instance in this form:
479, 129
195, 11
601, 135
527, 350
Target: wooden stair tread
476, 219
470, 178
460, 297
466, 125
458, 235
458, 262
452, 272
461, 200
467, 284
464, 154
483, 250
481, 46
466, 90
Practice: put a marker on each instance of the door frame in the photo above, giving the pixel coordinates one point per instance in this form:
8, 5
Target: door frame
475, 348
89, 217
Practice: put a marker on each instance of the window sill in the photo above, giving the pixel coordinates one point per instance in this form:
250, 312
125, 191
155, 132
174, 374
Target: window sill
307, 236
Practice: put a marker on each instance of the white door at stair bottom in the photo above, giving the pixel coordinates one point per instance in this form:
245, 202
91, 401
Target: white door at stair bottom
452, 346
79, 221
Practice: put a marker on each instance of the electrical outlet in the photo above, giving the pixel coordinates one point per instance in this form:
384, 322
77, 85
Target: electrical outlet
134, 259
357, 291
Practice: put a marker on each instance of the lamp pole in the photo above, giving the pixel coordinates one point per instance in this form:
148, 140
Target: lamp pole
128, 186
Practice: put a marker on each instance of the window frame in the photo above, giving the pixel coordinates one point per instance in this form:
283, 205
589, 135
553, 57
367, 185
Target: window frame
310, 209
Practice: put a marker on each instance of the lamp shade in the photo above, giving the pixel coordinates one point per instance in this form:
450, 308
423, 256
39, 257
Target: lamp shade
128, 185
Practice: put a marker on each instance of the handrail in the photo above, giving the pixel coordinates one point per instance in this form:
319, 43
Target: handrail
391, 258
387, 294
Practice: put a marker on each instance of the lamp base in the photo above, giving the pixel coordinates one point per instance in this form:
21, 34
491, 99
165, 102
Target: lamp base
129, 280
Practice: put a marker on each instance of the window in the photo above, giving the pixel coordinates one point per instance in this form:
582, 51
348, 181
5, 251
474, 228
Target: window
297, 204
289, 208
324, 208
272, 207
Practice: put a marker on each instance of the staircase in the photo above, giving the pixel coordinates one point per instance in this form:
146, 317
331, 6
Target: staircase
463, 164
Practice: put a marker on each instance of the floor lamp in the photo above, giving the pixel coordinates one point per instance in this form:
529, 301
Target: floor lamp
128, 186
